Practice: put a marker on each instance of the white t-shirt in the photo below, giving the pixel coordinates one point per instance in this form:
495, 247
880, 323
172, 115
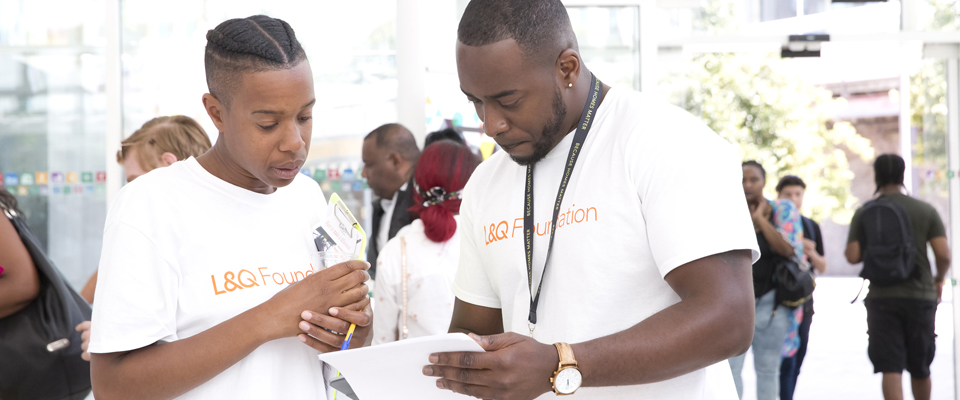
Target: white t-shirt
383, 235
653, 189
184, 250
431, 268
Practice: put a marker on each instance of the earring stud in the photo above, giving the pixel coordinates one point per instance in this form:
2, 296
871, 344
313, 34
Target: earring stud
570, 84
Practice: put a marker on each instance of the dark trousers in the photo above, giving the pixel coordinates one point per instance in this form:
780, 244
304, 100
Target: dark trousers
790, 367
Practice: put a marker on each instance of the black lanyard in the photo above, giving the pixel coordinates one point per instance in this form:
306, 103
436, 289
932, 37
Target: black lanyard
586, 120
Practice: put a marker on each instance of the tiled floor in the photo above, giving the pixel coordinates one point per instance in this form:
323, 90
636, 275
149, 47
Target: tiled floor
837, 367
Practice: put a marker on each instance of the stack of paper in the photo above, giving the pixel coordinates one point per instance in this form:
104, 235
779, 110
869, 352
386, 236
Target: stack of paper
394, 370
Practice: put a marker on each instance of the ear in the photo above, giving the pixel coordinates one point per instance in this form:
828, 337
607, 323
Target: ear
167, 159
396, 160
568, 68
215, 109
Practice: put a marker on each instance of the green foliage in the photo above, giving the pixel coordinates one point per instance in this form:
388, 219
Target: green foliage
928, 102
777, 119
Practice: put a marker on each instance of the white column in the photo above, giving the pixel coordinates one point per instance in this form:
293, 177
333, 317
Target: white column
648, 46
114, 91
908, 15
411, 69
906, 142
953, 164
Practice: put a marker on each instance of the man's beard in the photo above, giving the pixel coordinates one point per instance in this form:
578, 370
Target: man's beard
550, 132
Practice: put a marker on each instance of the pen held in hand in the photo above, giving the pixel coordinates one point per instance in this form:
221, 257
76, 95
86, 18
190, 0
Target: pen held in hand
346, 342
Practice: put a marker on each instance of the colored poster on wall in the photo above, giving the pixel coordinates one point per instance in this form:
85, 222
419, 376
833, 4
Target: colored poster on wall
11, 179
73, 177
42, 178
86, 177
26, 179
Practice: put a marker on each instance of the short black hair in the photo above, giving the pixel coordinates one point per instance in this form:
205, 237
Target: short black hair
448, 133
888, 169
253, 44
753, 163
398, 138
790, 180
541, 27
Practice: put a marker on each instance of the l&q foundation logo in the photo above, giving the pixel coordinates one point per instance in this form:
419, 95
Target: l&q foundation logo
245, 279
503, 230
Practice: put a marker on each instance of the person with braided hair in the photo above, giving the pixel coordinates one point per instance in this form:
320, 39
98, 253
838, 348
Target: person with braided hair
901, 316
206, 290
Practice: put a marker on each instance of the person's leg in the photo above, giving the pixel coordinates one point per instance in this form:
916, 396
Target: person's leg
790, 366
768, 345
887, 344
892, 386
921, 344
736, 366
921, 388
736, 363
804, 333
787, 378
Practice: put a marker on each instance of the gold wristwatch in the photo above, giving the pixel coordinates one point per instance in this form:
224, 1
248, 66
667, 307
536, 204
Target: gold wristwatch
566, 379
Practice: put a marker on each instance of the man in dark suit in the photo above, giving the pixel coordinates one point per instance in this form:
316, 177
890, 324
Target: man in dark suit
389, 154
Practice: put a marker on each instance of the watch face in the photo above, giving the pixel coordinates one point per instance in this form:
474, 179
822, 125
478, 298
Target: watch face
568, 380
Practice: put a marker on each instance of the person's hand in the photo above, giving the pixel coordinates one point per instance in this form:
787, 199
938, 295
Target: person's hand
938, 286
337, 286
84, 328
316, 326
809, 246
515, 367
761, 213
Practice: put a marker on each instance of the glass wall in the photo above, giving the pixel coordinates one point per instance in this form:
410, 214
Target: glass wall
52, 125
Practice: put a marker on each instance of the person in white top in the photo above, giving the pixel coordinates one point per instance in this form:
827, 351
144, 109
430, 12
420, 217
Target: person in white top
205, 285
414, 293
646, 290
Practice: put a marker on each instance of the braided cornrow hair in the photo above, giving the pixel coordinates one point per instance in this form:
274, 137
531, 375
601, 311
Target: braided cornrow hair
888, 169
253, 44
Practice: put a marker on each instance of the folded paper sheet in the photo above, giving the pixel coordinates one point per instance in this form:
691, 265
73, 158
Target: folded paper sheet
394, 370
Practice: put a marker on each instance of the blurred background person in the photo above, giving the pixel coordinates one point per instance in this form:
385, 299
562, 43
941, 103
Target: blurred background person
389, 155
418, 295
159, 143
793, 188
777, 224
443, 134
901, 316
36, 304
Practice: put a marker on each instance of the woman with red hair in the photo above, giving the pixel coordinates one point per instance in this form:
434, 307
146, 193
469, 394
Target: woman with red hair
415, 269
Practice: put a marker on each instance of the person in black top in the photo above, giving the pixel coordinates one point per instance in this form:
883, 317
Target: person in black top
793, 188
389, 155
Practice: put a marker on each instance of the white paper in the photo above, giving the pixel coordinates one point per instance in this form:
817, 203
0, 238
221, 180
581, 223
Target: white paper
395, 370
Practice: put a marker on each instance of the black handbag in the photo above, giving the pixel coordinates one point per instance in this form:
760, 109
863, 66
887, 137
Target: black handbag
39, 347
794, 285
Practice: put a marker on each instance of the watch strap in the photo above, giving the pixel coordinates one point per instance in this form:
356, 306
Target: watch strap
566, 355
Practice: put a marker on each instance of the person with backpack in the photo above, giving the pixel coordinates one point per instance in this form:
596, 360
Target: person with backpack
792, 188
779, 235
889, 235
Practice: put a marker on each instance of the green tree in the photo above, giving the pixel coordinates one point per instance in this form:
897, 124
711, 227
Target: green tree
928, 102
777, 119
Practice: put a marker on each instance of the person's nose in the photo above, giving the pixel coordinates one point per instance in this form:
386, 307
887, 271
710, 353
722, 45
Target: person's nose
363, 172
494, 122
292, 139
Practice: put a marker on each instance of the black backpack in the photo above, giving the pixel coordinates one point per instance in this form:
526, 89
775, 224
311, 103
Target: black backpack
886, 239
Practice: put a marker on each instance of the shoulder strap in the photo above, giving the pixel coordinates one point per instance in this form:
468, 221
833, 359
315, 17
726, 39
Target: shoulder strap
808, 227
403, 283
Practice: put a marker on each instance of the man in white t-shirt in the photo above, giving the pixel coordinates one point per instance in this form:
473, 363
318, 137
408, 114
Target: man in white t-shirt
205, 280
647, 288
